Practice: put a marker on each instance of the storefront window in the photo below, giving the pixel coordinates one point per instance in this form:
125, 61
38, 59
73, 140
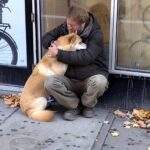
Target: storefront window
54, 13
133, 35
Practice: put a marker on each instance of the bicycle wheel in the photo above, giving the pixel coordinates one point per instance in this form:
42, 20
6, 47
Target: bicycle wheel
146, 18
8, 49
140, 54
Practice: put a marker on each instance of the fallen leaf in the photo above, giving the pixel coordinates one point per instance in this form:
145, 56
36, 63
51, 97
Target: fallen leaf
128, 127
135, 125
127, 123
142, 113
129, 115
141, 123
12, 100
120, 113
147, 121
114, 133
148, 126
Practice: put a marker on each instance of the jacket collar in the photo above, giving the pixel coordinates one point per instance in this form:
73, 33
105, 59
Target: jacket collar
87, 29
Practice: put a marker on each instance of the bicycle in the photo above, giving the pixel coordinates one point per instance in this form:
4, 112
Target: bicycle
139, 48
8, 47
140, 54
146, 18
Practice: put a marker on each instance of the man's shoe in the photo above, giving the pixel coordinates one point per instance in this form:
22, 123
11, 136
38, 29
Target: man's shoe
71, 114
88, 112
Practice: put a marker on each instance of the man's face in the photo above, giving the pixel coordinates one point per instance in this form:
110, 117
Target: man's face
73, 26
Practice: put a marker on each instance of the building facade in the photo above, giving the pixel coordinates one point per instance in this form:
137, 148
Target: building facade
125, 25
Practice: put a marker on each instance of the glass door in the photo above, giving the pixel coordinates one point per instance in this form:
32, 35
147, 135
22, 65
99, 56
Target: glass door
53, 13
130, 51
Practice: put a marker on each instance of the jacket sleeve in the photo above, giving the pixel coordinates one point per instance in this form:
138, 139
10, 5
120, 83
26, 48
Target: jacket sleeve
83, 57
52, 36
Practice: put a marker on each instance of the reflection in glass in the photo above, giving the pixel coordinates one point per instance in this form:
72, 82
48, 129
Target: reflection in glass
53, 13
133, 35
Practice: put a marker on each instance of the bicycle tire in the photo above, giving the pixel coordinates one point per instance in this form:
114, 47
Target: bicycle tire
140, 49
146, 14
12, 45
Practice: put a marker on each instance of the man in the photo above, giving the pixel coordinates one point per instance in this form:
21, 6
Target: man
86, 77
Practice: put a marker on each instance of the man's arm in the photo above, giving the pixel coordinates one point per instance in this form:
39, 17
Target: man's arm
83, 57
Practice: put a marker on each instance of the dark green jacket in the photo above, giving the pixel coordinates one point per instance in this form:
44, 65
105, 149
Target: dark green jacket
82, 63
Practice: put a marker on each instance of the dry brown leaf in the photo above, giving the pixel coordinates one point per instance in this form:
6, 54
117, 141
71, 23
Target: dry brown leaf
141, 123
8, 102
141, 113
12, 100
147, 121
129, 124
138, 118
120, 113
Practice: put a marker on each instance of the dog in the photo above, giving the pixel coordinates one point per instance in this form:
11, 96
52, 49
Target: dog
33, 100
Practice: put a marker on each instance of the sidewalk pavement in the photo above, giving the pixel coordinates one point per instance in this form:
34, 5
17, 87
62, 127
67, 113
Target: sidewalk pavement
17, 132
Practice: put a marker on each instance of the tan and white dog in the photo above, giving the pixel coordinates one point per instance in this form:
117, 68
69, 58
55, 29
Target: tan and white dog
33, 98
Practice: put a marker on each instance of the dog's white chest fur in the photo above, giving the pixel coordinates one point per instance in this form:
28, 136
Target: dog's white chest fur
44, 70
61, 69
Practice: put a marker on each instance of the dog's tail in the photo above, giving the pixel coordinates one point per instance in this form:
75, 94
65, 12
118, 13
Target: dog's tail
36, 109
40, 115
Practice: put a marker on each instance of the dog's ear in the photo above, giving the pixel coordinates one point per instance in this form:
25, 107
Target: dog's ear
70, 35
73, 39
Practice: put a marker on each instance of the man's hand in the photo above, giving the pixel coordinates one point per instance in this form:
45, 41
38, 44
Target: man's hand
53, 50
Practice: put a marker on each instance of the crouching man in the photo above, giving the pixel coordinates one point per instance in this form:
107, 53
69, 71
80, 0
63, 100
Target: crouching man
86, 78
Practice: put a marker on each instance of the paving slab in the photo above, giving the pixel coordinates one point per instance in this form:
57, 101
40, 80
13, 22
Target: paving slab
128, 139
18, 132
5, 112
